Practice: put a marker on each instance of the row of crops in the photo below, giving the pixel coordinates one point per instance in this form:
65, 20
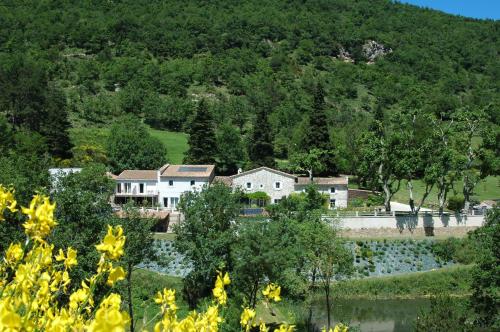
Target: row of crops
371, 258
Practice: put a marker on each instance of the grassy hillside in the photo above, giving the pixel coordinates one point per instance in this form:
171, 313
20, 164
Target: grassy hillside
175, 142
489, 188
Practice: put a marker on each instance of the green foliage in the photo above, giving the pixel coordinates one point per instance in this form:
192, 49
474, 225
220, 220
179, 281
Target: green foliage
455, 280
260, 149
230, 150
374, 200
82, 211
31, 102
456, 203
485, 298
462, 251
130, 146
202, 141
444, 314
205, 237
138, 248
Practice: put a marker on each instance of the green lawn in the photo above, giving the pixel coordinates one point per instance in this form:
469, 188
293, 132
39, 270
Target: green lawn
175, 142
489, 188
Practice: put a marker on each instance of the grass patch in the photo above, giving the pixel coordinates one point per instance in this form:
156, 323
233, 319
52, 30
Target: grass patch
164, 236
489, 188
453, 281
146, 285
175, 142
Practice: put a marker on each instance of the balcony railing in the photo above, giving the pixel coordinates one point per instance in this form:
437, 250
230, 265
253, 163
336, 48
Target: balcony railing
136, 192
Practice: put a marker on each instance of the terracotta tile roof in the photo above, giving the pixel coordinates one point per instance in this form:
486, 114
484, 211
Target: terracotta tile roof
137, 174
227, 180
111, 175
263, 168
303, 180
196, 171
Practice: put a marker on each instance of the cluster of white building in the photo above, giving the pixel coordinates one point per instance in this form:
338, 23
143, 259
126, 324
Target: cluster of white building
164, 187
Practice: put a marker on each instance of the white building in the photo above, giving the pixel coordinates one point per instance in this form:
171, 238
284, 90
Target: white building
277, 184
163, 187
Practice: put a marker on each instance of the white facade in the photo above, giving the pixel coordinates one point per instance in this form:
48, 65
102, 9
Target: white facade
274, 183
164, 187
171, 189
277, 184
337, 193
136, 187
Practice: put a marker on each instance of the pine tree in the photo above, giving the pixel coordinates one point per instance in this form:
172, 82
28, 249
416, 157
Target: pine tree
202, 141
318, 135
261, 149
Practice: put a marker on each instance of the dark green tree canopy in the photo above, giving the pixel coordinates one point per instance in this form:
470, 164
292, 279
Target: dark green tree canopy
202, 141
130, 146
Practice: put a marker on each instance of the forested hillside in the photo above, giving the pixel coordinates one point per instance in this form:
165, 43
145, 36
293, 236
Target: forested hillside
83, 64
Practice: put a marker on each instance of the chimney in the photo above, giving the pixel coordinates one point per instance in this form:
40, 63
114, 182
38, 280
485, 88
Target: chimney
240, 170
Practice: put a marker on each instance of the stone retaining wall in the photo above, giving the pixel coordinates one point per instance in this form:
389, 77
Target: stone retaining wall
408, 222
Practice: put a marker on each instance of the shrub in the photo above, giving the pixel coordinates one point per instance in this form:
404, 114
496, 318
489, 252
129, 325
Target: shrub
456, 203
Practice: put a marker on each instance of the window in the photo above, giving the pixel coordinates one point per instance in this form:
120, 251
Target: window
170, 183
118, 188
332, 204
193, 182
277, 200
332, 190
141, 188
277, 185
128, 187
249, 185
173, 202
165, 201
261, 186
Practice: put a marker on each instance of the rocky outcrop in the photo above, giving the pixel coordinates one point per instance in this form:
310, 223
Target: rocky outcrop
373, 50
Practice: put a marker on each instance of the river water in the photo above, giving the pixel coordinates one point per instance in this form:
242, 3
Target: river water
374, 315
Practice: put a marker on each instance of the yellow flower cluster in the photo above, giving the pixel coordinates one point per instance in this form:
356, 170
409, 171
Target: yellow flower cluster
338, 328
272, 292
219, 292
32, 278
7, 201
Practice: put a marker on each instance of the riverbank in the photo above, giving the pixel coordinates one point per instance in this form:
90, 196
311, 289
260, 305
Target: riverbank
453, 281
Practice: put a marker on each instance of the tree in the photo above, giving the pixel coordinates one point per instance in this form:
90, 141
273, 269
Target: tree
318, 134
380, 156
82, 211
130, 146
444, 159
205, 236
202, 141
309, 162
260, 149
261, 252
485, 299
470, 124
332, 260
138, 247
31, 102
230, 150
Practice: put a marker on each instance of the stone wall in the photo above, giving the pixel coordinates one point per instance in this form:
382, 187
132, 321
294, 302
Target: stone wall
401, 223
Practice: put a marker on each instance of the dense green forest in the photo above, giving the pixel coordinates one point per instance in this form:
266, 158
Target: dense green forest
260, 66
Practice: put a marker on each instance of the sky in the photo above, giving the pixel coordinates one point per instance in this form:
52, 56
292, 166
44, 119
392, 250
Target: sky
470, 8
